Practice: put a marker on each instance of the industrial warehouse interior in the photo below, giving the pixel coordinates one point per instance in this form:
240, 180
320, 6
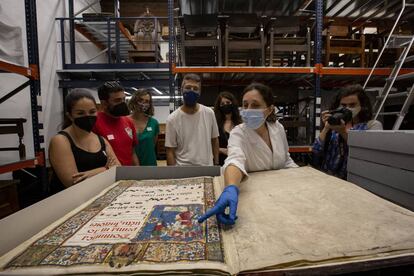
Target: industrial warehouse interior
206, 137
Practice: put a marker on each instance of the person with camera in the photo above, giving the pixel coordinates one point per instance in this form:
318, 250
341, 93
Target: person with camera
351, 110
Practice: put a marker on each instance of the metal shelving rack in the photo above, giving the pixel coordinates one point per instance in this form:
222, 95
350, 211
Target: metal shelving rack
33, 75
92, 75
166, 74
171, 57
318, 65
317, 71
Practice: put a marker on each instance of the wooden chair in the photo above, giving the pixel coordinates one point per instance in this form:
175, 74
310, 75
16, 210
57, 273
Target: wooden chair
200, 40
288, 35
244, 40
340, 40
14, 126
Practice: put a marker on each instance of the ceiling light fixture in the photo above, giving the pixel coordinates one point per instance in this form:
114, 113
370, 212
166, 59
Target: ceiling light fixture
157, 91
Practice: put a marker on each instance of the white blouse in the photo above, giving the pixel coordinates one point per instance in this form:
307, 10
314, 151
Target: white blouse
250, 153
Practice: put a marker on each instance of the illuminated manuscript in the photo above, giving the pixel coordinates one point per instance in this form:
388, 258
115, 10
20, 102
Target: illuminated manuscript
287, 219
134, 222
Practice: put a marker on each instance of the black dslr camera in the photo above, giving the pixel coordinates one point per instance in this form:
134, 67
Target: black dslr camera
341, 113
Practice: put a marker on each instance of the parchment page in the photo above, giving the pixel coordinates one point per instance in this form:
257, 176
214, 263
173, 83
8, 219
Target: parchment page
301, 216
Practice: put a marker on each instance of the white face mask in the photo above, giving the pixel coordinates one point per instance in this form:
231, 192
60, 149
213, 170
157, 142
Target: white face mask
253, 118
355, 110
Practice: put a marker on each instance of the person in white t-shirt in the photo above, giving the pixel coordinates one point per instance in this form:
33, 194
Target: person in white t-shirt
191, 136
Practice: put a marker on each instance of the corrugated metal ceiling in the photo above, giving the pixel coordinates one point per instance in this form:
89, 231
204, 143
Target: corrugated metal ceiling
333, 8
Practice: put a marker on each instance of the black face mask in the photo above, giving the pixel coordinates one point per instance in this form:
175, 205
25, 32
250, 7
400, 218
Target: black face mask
227, 108
190, 98
120, 109
86, 122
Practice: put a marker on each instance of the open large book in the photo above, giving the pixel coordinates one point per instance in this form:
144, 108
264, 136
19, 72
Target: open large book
288, 219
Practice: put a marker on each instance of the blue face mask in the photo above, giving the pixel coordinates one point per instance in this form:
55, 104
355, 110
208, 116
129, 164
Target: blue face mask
253, 118
190, 97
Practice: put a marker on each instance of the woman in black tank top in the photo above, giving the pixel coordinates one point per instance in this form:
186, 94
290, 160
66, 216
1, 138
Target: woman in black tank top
76, 153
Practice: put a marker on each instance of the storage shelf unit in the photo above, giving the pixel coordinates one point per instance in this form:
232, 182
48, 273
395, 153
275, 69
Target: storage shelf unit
32, 73
315, 77
360, 14
116, 43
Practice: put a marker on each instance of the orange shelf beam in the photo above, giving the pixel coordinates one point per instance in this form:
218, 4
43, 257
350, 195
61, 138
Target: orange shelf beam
17, 165
318, 69
39, 160
300, 149
30, 72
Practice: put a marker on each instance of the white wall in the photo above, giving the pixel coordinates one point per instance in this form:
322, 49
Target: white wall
12, 13
161, 113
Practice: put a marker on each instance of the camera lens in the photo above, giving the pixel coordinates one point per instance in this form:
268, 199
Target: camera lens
347, 115
340, 114
335, 119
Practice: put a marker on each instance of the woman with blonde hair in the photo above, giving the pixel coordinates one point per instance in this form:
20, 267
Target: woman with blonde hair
147, 127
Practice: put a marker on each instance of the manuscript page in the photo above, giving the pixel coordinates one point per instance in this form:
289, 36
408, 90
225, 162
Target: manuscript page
302, 216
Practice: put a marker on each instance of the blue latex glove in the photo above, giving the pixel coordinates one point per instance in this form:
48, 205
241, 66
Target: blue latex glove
229, 197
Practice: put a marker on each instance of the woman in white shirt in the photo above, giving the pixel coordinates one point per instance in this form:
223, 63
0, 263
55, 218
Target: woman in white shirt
256, 145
